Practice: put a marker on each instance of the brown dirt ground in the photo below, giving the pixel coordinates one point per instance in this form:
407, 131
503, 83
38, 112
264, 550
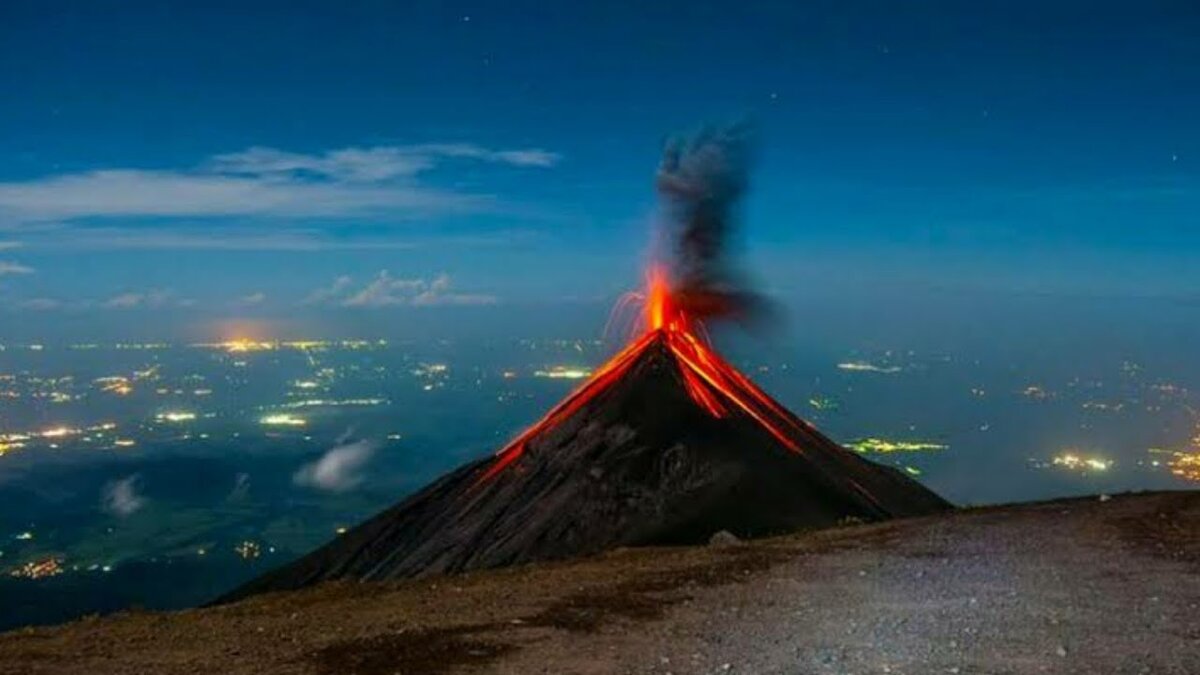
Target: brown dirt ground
1069, 586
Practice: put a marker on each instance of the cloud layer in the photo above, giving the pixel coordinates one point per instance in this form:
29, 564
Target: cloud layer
265, 182
152, 299
123, 497
338, 470
8, 267
386, 290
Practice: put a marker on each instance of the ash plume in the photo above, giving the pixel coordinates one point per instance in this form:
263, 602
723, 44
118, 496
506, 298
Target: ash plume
701, 180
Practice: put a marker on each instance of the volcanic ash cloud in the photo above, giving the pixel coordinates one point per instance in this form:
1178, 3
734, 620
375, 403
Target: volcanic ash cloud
701, 181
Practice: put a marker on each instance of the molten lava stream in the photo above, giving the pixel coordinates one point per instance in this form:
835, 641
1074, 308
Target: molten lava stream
693, 355
701, 394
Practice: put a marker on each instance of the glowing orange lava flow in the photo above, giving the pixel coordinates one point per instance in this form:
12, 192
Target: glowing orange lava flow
714, 384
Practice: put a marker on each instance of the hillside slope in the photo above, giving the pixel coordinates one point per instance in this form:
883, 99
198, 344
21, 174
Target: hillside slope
1083, 586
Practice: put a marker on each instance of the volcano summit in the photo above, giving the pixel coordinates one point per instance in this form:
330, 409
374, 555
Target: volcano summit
667, 443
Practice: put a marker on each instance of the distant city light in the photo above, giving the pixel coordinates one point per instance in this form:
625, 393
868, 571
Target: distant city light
41, 569
1077, 462
282, 420
865, 367
823, 403
1186, 465
248, 550
175, 416
1183, 463
324, 403
883, 446
1035, 392
116, 384
564, 373
238, 346
58, 432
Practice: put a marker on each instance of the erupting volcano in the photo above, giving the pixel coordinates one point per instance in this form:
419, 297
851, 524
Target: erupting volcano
666, 443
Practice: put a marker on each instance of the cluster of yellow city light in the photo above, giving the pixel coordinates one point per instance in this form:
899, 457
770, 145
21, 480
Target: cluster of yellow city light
39, 569
12, 442
243, 345
58, 432
16, 441
1183, 463
1186, 465
334, 402
564, 373
1077, 462
880, 445
115, 384
248, 550
175, 416
282, 419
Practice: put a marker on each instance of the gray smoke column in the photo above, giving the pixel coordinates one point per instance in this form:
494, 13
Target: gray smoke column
701, 181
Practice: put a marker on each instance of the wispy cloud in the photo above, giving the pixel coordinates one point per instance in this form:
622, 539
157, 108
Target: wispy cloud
385, 290
265, 182
331, 292
338, 470
178, 237
123, 497
241, 488
6, 245
135, 193
211, 239
152, 299
370, 165
251, 300
8, 267
41, 304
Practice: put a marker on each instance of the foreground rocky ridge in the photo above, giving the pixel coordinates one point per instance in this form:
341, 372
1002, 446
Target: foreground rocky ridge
1084, 586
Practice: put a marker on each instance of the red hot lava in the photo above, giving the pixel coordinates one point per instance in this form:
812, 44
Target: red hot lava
712, 382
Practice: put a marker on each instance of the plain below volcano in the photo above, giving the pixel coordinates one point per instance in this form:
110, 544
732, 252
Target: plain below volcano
667, 444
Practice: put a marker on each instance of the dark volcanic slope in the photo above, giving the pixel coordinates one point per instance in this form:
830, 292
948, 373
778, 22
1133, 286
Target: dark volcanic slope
639, 464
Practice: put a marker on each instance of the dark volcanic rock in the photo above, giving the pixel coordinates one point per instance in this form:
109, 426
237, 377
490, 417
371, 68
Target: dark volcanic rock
640, 463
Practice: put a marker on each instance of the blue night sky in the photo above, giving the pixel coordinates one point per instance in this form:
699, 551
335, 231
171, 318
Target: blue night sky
355, 159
